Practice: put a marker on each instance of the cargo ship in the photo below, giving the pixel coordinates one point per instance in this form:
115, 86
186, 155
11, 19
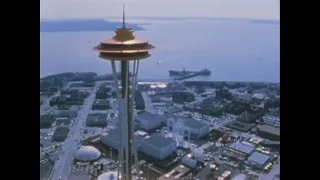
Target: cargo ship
204, 72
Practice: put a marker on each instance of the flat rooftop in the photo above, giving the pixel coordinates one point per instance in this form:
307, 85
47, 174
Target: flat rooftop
191, 123
97, 117
269, 129
114, 135
259, 158
158, 141
239, 126
242, 147
151, 117
61, 130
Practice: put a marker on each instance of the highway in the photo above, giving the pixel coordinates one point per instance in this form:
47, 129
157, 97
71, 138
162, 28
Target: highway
63, 166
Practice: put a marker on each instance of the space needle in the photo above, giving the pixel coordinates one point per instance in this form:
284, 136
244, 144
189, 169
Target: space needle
125, 50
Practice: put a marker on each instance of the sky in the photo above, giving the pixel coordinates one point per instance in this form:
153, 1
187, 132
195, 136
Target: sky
248, 9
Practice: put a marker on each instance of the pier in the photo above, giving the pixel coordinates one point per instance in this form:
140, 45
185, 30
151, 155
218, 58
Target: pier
194, 74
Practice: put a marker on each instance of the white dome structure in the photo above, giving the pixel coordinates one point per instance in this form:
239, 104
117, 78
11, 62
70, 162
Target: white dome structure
87, 154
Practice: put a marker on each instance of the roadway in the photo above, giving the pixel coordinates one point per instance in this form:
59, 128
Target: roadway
148, 103
63, 166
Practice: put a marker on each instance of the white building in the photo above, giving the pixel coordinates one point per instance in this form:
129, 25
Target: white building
148, 121
258, 160
158, 146
112, 139
196, 128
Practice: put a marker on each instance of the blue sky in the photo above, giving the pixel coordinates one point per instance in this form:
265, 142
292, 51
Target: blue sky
253, 9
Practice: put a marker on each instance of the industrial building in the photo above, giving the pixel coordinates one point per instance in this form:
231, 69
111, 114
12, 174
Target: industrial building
269, 132
240, 126
87, 154
197, 129
148, 121
101, 104
182, 97
272, 121
60, 134
241, 148
258, 160
112, 139
139, 101
177, 173
158, 146
97, 120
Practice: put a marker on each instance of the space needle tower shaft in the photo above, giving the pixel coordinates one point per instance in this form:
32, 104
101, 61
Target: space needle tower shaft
125, 50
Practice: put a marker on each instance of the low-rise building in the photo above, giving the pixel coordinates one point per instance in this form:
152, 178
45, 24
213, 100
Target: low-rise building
148, 121
240, 126
269, 132
272, 121
46, 121
67, 113
101, 104
112, 139
197, 129
97, 120
60, 134
182, 97
242, 148
158, 146
259, 160
63, 121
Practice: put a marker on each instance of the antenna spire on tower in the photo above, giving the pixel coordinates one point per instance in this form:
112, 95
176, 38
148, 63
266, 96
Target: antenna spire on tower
123, 16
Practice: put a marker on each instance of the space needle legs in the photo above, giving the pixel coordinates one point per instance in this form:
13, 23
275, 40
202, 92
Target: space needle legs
125, 97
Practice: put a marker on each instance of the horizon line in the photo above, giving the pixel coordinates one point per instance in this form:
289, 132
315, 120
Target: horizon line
157, 18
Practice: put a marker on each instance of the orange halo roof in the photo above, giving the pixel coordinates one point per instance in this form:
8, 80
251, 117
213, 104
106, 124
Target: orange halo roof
122, 51
130, 42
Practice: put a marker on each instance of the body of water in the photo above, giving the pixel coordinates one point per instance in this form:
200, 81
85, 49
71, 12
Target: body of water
234, 50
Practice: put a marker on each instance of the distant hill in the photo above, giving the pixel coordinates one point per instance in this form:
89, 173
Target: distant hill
82, 25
